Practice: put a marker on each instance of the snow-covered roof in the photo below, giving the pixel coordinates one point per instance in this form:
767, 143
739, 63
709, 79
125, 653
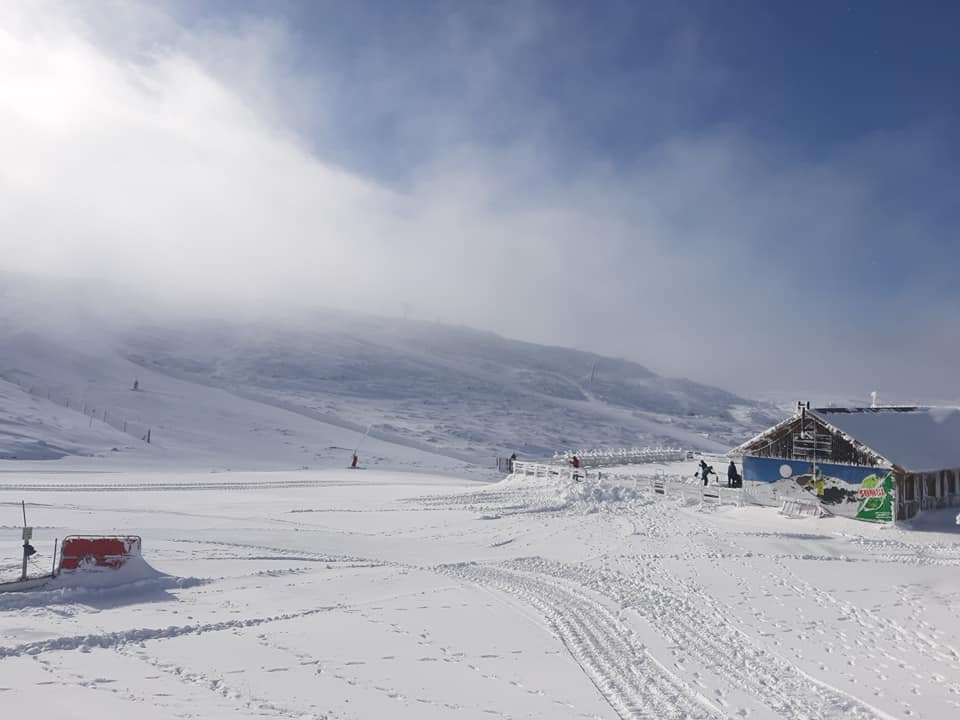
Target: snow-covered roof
760, 438
915, 438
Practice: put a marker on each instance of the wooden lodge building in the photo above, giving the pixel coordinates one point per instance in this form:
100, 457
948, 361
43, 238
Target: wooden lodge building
920, 446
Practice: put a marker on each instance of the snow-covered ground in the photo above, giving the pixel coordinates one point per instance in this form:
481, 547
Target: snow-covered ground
377, 594
278, 583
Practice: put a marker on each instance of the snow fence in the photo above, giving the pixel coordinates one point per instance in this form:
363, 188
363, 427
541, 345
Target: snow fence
658, 484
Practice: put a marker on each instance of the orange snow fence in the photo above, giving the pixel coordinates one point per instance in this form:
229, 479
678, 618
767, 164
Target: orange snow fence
94, 552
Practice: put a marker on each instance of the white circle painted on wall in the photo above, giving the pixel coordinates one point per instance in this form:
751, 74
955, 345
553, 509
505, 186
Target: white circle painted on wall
785, 471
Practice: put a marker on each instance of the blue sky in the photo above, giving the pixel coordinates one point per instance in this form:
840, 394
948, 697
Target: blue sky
813, 75
866, 87
761, 195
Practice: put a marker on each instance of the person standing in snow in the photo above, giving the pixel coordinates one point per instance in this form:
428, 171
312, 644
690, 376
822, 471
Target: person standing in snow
705, 471
575, 461
733, 477
513, 459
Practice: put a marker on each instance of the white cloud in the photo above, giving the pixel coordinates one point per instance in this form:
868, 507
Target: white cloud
175, 162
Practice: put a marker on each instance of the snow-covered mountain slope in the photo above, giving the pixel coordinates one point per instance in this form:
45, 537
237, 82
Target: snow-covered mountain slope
437, 386
191, 425
35, 428
212, 391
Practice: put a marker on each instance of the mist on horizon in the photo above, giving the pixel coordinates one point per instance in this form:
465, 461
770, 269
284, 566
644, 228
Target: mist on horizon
177, 162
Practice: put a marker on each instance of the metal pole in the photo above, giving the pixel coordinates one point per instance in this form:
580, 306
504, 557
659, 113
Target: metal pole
815, 455
23, 571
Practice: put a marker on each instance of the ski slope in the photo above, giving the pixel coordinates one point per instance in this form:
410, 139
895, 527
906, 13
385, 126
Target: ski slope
34, 428
69, 400
441, 390
341, 594
437, 386
193, 426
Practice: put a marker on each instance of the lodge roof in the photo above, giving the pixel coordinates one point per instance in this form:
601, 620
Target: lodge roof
914, 438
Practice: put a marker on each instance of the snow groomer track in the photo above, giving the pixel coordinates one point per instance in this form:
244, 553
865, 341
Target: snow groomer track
571, 600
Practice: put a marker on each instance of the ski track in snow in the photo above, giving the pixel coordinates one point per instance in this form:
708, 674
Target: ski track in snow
629, 677
138, 635
690, 620
631, 680
629, 609
286, 553
635, 683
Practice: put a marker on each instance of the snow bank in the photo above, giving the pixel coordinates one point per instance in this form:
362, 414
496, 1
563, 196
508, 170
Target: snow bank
598, 492
135, 569
933, 521
97, 590
100, 586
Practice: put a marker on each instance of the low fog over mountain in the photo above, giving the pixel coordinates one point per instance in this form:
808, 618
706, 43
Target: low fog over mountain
447, 391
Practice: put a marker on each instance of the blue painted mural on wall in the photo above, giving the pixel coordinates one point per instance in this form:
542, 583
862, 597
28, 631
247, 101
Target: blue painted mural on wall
836, 487
772, 470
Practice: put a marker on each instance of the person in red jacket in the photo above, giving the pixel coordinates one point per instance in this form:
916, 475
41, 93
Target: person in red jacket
575, 462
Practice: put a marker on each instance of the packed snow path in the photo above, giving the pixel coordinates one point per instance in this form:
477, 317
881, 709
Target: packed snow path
354, 595
634, 683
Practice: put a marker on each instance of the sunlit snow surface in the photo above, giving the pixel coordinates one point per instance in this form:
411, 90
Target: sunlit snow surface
373, 594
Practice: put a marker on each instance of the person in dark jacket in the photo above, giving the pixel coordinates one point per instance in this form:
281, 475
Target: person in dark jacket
733, 477
705, 471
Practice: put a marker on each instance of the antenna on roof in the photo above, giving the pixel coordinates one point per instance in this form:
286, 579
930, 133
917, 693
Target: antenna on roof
873, 399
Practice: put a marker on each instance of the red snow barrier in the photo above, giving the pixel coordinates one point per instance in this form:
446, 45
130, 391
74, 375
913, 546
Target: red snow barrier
86, 552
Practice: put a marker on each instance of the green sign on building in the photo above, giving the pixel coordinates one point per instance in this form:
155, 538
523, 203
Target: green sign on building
876, 498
